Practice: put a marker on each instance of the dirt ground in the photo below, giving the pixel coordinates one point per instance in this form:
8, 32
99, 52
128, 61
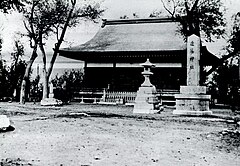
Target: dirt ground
75, 135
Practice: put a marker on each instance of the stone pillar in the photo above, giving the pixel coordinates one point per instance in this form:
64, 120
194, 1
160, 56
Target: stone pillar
51, 94
192, 99
193, 58
146, 95
51, 101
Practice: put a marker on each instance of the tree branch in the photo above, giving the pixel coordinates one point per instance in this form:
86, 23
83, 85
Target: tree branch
25, 25
224, 58
58, 44
174, 7
186, 6
29, 34
168, 10
195, 5
31, 23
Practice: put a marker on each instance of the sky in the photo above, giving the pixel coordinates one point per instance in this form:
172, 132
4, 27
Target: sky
10, 24
85, 31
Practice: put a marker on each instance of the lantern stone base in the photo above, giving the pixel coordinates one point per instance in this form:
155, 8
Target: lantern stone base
146, 100
51, 102
192, 100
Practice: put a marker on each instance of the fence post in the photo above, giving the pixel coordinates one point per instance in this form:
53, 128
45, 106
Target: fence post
104, 95
82, 100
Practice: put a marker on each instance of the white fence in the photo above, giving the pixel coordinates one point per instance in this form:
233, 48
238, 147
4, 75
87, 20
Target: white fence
102, 95
120, 97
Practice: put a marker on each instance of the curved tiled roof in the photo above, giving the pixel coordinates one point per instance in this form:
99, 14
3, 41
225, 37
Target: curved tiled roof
134, 35
136, 38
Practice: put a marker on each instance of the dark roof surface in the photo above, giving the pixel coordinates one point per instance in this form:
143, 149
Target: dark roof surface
134, 35
129, 39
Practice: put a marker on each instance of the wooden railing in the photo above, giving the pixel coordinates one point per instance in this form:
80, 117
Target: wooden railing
117, 97
88, 95
120, 97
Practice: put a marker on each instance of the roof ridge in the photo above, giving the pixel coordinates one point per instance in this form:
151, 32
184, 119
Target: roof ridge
135, 21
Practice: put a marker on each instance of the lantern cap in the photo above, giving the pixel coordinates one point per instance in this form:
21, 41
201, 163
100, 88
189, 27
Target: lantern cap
147, 64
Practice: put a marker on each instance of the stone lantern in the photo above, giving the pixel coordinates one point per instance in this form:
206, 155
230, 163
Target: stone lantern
147, 73
146, 95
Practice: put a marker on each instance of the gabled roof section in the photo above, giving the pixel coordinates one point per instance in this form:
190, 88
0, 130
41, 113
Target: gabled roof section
134, 35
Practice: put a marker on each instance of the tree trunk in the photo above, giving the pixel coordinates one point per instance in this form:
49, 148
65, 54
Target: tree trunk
45, 84
26, 76
45, 75
59, 42
50, 68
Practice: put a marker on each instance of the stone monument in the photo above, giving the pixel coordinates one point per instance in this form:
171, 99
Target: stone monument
146, 95
4, 121
51, 94
51, 101
5, 124
192, 99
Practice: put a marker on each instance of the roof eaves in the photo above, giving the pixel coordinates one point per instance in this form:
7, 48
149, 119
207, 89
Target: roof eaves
135, 21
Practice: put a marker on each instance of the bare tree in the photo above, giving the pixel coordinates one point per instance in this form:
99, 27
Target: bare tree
233, 47
49, 17
17, 67
7, 5
203, 17
234, 42
33, 38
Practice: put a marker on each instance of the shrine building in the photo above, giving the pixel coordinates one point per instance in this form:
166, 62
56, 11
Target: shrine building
113, 56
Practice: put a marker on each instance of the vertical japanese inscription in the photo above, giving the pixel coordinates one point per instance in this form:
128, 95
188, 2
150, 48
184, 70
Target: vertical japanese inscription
193, 57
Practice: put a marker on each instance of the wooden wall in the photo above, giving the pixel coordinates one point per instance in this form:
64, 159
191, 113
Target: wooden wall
129, 79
